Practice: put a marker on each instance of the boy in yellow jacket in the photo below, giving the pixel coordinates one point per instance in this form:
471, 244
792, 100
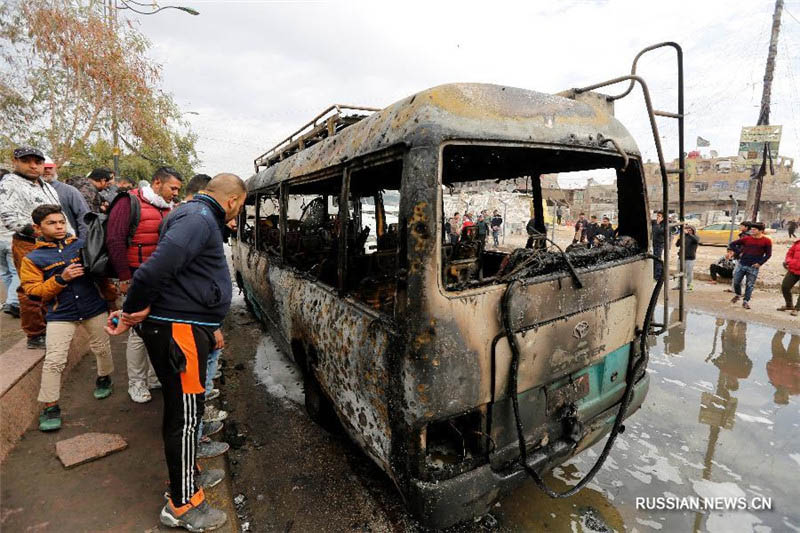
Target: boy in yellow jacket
53, 274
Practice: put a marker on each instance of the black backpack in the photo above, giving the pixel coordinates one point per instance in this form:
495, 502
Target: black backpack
95, 258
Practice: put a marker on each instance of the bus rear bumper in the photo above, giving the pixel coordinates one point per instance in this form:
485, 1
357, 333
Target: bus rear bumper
444, 503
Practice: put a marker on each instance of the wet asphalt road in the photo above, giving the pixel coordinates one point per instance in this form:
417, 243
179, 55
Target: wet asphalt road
722, 418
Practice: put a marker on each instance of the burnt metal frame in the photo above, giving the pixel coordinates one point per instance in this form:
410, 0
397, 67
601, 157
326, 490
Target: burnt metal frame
341, 172
680, 171
312, 132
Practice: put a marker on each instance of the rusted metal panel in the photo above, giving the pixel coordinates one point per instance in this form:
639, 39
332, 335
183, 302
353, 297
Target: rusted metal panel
348, 345
559, 347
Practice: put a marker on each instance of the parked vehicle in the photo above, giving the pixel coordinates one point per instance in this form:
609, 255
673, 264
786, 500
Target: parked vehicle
451, 365
717, 234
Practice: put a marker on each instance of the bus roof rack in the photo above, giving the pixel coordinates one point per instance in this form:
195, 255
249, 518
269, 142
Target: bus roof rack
327, 124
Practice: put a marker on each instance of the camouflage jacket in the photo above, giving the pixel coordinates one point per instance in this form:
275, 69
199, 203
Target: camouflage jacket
18, 198
93, 196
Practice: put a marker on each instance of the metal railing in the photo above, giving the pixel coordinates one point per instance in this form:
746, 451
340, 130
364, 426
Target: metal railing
662, 327
326, 124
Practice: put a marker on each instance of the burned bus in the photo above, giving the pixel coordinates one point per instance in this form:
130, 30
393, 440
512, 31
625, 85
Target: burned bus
458, 369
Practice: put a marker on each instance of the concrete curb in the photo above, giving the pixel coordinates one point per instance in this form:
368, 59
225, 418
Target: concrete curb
20, 376
703, 276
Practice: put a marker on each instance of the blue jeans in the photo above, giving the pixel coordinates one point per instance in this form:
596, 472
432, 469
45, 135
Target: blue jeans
741, 272
8, 273
211, 369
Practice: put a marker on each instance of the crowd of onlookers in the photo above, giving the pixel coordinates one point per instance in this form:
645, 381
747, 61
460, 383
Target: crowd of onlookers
740, 264
71, 250
455, 226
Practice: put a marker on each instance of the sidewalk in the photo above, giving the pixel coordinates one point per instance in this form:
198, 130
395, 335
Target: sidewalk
120, 492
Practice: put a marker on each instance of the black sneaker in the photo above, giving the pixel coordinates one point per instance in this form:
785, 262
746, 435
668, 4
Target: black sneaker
37, 342
11, 309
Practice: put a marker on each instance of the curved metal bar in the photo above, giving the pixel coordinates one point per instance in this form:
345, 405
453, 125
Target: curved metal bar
674, 45
681, 158
619, 149
649, 104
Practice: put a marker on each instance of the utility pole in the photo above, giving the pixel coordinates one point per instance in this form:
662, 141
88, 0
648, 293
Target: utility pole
111, 18
757, 181
110, 8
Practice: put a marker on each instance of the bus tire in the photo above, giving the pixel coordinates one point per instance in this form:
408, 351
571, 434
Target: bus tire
319, 407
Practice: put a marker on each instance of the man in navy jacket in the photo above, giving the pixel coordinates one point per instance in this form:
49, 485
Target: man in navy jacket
177, 302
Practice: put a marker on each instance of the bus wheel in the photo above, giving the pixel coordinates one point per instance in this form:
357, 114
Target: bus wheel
319, 407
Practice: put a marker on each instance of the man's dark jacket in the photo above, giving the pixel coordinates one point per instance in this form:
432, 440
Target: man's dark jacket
658, 234
187, 278
691, 245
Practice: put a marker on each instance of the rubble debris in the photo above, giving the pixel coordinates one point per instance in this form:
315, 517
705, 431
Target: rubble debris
88, 447
538, 262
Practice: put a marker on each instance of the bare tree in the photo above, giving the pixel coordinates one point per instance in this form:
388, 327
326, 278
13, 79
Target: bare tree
67, 73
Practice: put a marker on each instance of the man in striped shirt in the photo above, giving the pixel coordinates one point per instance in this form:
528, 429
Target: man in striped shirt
754, 250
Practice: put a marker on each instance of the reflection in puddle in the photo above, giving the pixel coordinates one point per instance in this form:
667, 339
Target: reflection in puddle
742, 381
590, 510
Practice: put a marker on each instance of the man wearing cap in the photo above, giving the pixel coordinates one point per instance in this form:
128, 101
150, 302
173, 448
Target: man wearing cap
92, 187
21, 192
72, 201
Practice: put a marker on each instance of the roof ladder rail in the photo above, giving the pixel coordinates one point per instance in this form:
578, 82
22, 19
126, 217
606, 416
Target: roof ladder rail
327, 124
633, 78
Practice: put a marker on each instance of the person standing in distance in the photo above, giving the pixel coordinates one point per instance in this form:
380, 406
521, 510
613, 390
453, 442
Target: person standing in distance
177, 302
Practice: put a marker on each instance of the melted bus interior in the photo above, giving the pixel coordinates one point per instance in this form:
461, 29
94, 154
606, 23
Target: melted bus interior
367, 267
467, 263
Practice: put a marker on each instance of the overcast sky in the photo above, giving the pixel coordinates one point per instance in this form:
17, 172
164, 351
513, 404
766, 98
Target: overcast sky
250, 72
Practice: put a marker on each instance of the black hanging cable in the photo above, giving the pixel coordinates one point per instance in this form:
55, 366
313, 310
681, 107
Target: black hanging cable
632, 372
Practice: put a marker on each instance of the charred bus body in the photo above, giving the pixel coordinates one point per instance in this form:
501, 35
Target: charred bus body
409, 340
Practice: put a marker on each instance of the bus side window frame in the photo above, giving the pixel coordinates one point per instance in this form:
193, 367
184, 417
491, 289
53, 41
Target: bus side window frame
270, 192
344, 216
241, 225
285, 193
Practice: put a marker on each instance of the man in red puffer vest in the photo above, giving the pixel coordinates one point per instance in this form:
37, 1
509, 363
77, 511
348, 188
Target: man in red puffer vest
131, 237
792, 266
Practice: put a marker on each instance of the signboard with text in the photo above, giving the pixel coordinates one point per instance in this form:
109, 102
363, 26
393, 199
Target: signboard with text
751, 142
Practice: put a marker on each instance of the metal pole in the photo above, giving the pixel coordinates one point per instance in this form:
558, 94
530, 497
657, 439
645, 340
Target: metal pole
754, 193
112, 18
505, 220
734, 212
763, 116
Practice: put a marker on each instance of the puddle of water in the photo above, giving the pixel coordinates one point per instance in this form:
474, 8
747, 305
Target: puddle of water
279, 375
722, 419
